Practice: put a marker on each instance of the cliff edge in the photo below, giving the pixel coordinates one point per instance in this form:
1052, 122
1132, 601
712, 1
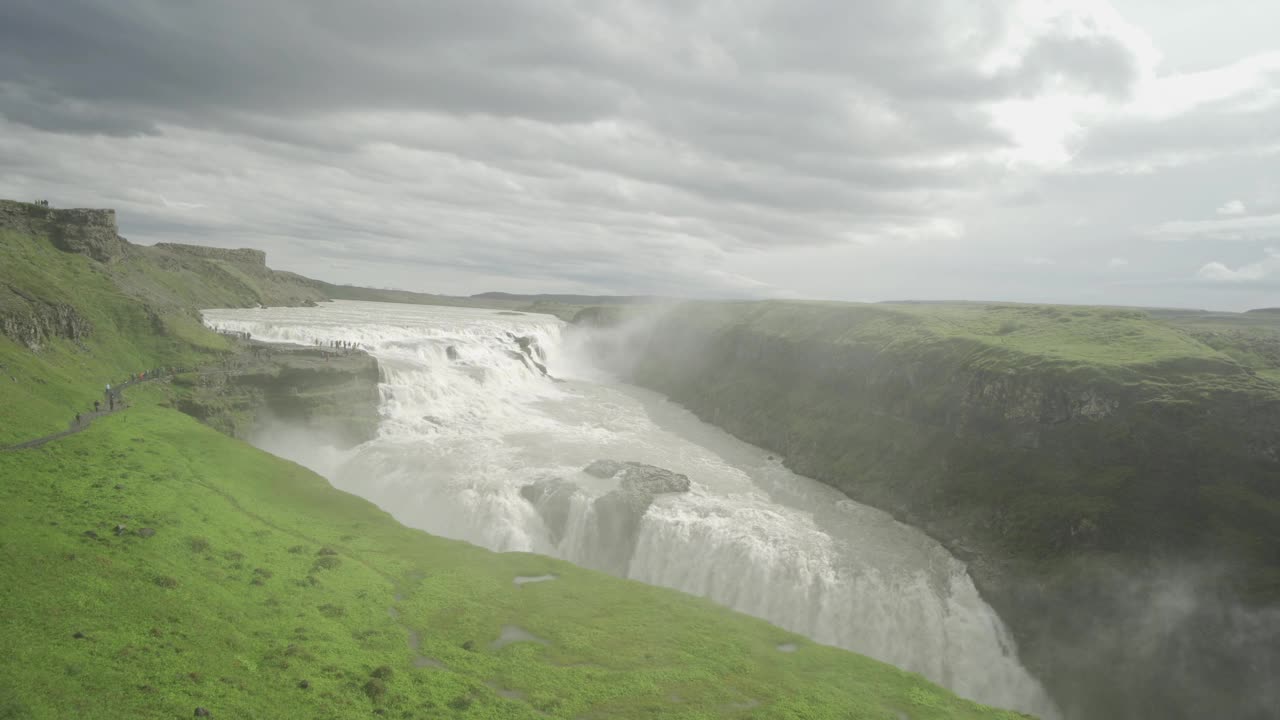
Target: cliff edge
1077, 458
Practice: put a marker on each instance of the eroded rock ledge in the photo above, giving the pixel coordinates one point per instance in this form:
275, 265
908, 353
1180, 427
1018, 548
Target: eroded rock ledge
332, 394
615, 524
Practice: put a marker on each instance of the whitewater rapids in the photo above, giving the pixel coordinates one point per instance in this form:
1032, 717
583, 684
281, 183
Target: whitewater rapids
466, 422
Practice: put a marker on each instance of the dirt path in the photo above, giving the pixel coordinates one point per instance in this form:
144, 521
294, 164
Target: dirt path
86, 418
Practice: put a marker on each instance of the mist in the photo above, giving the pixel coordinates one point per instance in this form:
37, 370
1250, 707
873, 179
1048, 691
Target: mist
477, 444
1120, 634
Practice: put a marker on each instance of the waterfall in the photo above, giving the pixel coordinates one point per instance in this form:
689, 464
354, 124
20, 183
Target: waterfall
488, 419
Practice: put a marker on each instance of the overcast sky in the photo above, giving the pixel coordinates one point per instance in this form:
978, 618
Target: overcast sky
1076, 151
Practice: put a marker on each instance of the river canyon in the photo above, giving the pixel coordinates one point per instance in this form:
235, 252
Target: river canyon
487, 421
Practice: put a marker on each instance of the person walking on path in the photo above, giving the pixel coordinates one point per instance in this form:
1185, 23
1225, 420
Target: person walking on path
96, 406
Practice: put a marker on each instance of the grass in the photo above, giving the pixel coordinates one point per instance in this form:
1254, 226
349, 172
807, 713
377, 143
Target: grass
1052, 448
260, 576
41, 390
1095, 336
1039, 430
150, 565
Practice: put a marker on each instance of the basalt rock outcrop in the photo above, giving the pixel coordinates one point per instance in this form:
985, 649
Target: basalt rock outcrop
90, 232
530, 353
614, 521
332, 395
243, 256
169, 278
34, 322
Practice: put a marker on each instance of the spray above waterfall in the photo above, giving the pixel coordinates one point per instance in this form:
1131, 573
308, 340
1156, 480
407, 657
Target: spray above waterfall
495, 431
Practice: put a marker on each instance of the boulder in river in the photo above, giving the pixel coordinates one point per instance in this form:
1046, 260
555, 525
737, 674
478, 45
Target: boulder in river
603, 469
614, 524
528, 361
552, 498
529, 346
639, 477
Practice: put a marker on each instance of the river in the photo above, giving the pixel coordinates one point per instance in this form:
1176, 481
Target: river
468, 419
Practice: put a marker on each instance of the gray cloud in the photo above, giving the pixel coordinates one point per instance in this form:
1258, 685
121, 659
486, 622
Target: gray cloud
635, 146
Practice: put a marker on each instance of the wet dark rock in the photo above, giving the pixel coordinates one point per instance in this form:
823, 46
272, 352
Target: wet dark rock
146, 532
552, 498
638, 477
603, 469
531, 354
617, 514
529, 346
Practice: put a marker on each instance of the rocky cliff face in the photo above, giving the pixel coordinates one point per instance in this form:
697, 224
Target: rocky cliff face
1053, 480
244, 256
87, 231
336, 398
34, 322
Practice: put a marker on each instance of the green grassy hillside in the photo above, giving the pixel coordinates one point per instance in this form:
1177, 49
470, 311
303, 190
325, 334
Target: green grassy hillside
1054, 429
48, 377
256, 577
1069, 454
150, 565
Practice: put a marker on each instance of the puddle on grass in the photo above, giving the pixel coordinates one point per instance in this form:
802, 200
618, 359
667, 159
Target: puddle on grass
788, 647
514, 634
421, 661
508, 694
525, 579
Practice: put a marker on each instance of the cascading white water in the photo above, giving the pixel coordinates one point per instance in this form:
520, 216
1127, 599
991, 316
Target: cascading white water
468, 420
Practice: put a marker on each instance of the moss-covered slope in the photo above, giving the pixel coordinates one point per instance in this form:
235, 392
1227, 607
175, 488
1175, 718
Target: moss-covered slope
1064, 451
249, 586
